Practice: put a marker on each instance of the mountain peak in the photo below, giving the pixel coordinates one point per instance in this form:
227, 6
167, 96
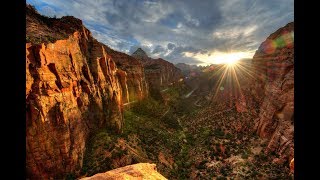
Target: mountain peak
140, 54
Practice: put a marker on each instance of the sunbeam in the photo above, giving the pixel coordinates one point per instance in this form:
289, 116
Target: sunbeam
231, 78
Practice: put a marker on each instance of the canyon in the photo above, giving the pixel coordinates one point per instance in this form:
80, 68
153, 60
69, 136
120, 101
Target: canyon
74, 86
159, 72
93, 112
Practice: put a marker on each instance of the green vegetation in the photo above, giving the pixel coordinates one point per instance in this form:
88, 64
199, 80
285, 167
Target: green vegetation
202, 164
229, 136
70, 176
221, 178
218, 133
183, 162
156, 128
27, 39
244, 155
95, 157
205, 132
151, 127
149, 107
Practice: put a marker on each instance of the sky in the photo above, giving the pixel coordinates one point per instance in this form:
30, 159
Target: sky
180, 31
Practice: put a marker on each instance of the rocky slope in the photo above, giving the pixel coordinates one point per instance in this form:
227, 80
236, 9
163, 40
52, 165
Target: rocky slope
263, 105
272, 92
159, 72
74, 86
196, 136
136, 171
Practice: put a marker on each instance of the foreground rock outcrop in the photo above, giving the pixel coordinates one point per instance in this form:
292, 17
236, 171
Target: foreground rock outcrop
135, 171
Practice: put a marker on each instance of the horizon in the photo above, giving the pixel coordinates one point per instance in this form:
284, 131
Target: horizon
208, 92
194, 33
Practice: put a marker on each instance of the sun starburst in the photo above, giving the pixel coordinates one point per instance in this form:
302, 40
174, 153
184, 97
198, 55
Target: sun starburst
231, 77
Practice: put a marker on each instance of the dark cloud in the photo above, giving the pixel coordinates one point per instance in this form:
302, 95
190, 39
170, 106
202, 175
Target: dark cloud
171, 46
202, 15
169, 29
177, 54
158, 49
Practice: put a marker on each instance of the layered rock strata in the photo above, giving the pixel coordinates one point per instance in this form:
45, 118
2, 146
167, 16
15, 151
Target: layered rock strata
75, 86
159, 73
272, 91
137, 87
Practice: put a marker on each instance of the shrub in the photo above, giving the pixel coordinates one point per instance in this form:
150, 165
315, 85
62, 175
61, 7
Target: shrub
70, 176
149, 107
51, 39
219, 133
254, 173
202, 164
205, 132
244, 155
212, 154
27, 39
221, 178
229, 136
170, 121
263, 157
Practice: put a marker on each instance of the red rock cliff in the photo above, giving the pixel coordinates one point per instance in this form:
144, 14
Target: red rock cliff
272, 91
73, 87
136, 83
159, 73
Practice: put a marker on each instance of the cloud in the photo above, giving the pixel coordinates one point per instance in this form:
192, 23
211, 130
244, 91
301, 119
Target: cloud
169, 29
145, 48
171, 46
178, 54
158, 49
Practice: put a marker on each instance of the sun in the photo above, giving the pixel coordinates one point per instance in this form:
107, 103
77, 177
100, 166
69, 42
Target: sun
219, 57
228, 58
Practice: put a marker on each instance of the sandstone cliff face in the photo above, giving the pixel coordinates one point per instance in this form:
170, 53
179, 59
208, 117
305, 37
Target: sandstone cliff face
136, 83
273, 91
136, 171
159, 73
73, 87
66, 98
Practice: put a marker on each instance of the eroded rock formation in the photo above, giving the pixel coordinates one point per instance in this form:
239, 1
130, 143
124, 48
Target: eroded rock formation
135, 171
74, 86
272, 91
68, 95
159, 73
136, 83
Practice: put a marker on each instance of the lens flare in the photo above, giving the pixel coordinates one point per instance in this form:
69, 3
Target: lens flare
285, 40
232, 74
